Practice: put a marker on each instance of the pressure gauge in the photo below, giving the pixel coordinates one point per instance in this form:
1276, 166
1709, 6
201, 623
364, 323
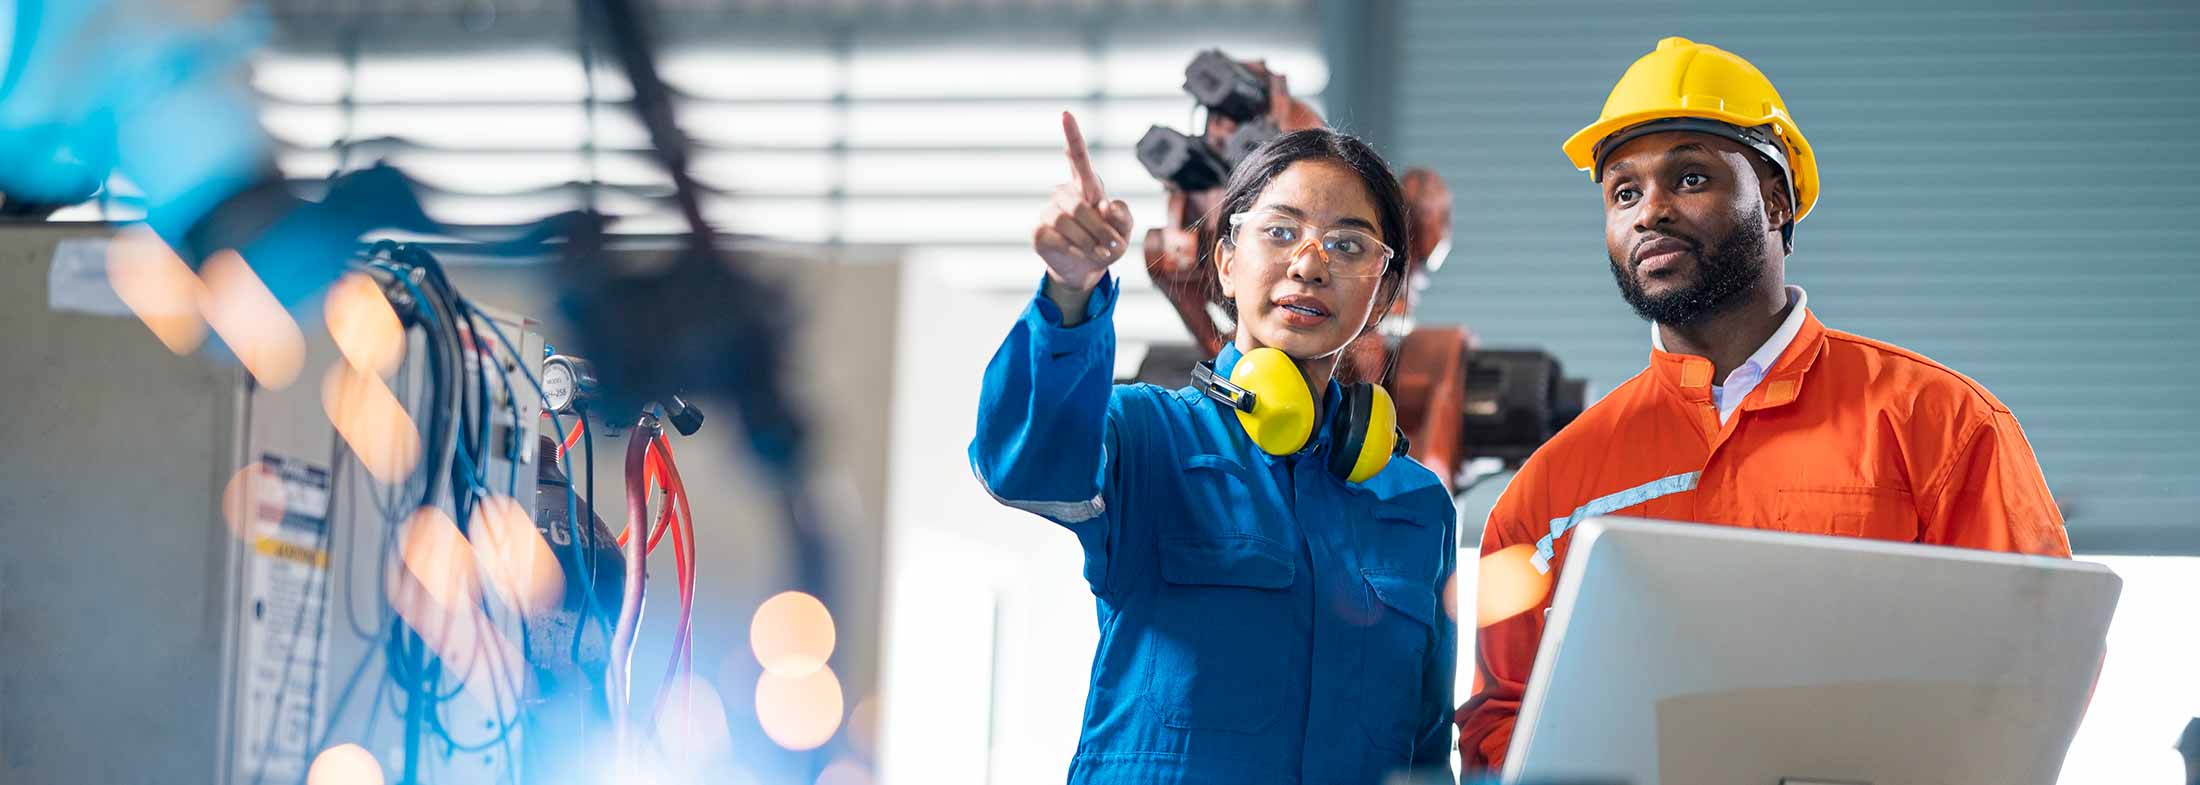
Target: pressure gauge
567, 383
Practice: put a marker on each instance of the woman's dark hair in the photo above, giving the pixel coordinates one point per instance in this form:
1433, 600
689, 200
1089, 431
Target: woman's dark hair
1252, 176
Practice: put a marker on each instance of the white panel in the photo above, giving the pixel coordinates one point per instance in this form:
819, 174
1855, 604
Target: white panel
1152, 64
304, 126
491, 173
956, 124
906, 172
2148, 689
298, 77
811, 125
941, 220
476, 126
886, 66
788, 172
499, 76
787, 69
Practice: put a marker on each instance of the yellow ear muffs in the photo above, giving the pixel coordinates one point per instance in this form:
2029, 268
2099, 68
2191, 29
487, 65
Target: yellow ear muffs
1277, 410
1365, 433
1269, 395
1282, 416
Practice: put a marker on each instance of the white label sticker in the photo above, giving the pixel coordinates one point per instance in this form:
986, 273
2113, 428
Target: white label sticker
285, 645
78, 279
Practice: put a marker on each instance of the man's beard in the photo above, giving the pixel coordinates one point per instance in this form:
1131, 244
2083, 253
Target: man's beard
1724, 272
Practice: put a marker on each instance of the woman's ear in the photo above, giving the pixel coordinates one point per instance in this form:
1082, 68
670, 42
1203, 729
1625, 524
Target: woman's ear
1225, 266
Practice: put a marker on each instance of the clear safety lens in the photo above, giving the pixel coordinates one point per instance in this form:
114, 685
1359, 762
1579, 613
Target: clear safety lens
1351, 253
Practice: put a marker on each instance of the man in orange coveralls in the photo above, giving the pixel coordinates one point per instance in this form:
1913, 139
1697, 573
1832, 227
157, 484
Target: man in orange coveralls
1751, 413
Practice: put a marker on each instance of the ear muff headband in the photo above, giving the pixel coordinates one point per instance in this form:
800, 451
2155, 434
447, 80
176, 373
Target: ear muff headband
1221, 390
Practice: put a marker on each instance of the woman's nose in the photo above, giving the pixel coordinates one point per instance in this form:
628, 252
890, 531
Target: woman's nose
1308, 264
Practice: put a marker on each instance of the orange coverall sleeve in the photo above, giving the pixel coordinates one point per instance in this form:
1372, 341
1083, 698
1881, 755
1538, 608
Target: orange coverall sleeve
1504, 652
1989, 494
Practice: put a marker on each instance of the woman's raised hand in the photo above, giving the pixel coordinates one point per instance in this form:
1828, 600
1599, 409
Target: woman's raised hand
1081, 232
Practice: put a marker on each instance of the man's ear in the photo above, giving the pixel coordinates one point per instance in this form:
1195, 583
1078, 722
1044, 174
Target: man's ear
1779, 205
1225, 264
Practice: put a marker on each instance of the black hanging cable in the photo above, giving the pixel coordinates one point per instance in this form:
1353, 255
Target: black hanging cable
588, 527
586, 49
410, 662
706, 322
623, 20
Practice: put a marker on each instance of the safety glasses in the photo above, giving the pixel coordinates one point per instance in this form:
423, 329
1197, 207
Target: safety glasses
1278, 236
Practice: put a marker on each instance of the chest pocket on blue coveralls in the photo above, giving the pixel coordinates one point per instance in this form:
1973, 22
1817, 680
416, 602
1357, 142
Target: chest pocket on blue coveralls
1226, 578
1396, 648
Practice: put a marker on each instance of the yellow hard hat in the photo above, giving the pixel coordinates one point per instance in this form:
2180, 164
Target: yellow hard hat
1683, 83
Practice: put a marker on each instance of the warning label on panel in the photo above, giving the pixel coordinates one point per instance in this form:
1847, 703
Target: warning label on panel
284, 648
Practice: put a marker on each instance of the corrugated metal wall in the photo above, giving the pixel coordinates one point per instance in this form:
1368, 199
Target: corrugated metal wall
2011, 189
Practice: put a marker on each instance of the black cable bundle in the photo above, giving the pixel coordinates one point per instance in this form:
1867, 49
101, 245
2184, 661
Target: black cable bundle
705, 323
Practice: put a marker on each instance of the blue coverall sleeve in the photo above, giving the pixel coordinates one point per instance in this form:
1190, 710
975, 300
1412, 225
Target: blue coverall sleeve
1046, 419
1432, 751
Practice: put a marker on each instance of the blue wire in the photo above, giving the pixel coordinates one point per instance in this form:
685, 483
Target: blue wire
468, 473
476, 317
510, 347
583, 556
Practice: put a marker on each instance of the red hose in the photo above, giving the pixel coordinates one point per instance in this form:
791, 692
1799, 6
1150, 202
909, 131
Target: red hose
572, 437
682, 525
653, 476
618, 675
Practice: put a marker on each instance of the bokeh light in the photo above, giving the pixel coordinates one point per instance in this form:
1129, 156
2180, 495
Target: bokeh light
792, 634
253, 496
1508, 584
1451, 596
345, 764
436, 589
246, 315
438, 557
691, 722
799, 712
844, 772
158, 287
519, 564
863, 727
381, 435
637, 769
366, 329
488, 665
493, 667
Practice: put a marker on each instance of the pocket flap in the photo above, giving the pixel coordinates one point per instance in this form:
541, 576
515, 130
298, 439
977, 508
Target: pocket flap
1850, 511
1394, 512
1247, 560
1413, 598
1422, 507
1215, 463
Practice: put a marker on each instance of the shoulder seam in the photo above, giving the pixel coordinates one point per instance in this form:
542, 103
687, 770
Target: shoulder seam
1978, 391
1938, 483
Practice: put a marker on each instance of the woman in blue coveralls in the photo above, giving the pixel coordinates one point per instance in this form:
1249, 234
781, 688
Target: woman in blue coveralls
1262, 619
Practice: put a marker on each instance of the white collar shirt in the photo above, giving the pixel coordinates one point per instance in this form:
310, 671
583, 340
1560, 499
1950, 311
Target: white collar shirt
1728, 395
